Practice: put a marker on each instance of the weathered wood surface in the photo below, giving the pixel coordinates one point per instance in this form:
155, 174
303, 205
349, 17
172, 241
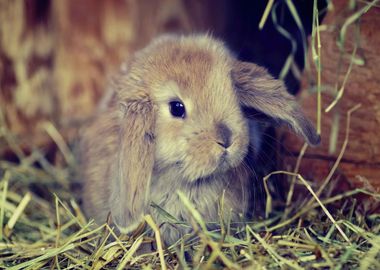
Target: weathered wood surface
362, 156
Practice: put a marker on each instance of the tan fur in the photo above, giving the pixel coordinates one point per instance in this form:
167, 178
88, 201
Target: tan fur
135, 152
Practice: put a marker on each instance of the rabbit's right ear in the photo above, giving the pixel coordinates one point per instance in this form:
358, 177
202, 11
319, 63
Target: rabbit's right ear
258, 90
131, 182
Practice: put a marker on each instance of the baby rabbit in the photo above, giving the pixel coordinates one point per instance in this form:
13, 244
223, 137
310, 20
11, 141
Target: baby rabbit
175, 122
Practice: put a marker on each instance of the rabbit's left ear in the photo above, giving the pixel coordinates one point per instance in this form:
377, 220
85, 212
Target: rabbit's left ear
258, 90
130, 187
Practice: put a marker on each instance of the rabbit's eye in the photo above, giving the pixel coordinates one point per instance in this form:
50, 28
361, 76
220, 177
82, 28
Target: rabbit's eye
177, 109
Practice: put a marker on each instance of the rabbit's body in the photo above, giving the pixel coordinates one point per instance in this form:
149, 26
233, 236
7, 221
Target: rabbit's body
175, 122
205, 194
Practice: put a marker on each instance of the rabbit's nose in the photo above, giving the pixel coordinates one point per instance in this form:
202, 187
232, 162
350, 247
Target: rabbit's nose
224, 135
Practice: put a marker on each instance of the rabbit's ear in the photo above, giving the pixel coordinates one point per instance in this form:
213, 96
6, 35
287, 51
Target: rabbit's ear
131, 183
258, 90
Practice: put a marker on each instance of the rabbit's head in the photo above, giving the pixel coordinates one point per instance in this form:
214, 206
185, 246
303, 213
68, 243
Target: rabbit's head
182, 104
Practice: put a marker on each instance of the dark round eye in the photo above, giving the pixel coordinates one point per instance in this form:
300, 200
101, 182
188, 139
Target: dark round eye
177, 109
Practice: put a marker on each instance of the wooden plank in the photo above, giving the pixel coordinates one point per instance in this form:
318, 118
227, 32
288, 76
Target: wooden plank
362, 156
316, 168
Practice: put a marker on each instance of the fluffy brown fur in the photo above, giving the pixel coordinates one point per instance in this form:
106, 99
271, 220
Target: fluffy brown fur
135, 152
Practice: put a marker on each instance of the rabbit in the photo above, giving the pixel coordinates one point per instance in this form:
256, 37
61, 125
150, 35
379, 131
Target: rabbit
178, 119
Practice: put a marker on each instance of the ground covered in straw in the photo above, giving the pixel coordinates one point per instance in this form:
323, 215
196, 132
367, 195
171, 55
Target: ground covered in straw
43, 227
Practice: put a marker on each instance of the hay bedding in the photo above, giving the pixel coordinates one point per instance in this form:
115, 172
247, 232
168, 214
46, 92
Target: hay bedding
43, 226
